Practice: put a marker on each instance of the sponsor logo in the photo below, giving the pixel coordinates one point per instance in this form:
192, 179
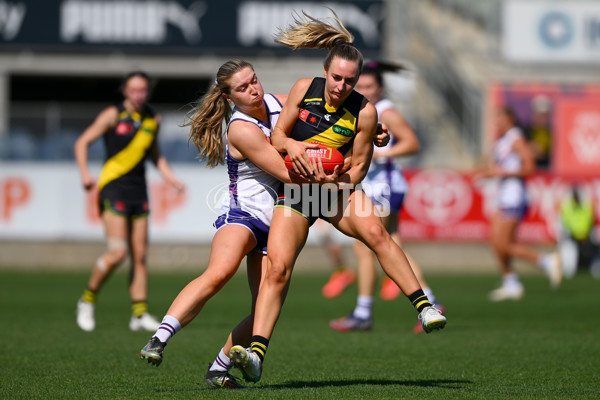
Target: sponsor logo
309, 118
324, 154
556, 29
592, 32
119, 206
342, 130
312, 103
439, 197
129, 22
15, 193
584, 137
165, 200
123, 128
327, 117
11, 19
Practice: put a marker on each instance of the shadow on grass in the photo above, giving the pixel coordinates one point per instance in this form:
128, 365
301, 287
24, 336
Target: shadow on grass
181, 390
439, 383
436, 383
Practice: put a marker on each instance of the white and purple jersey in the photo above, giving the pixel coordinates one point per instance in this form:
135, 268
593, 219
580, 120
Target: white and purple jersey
511, 191
384, 179
252, 191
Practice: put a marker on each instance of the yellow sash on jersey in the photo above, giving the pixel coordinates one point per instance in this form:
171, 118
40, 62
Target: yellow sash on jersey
334, 139
125, 160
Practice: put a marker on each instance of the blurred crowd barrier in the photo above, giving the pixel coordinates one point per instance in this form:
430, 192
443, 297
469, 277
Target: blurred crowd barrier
447, 205
46, 202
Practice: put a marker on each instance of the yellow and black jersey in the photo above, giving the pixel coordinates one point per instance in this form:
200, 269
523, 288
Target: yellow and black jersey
127, 146
319, 122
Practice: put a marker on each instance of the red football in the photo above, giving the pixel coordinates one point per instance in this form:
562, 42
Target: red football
329, 156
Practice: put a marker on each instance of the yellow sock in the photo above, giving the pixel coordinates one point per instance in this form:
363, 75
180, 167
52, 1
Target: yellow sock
138, 308
89, 296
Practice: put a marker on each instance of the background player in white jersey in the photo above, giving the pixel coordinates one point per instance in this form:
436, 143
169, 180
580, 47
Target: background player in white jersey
386, 187
512, 161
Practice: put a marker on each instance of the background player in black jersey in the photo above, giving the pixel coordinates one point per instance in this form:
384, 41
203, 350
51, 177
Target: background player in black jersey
329, 111
130, 132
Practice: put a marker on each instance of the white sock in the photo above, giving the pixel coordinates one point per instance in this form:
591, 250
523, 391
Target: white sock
221, 363
511, 279
429, 293
544, 261
168, 327
364, 306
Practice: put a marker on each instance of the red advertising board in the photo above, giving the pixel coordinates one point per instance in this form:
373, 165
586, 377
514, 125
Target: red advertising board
447, 205
577, 149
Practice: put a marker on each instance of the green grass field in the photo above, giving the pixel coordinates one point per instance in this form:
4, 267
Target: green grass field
546, 346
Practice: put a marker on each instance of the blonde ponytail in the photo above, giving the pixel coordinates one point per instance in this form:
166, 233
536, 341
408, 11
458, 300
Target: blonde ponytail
206, 126
209, 113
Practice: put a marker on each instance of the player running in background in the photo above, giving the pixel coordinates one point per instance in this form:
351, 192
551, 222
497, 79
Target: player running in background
512, 162
130, 131
342, 118
386, 187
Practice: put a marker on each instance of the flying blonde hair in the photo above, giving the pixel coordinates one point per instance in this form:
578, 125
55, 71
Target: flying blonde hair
312, 33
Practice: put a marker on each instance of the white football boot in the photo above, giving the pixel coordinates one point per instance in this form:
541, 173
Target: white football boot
246, 361
432, 319
85, 315
514, 291
144, 323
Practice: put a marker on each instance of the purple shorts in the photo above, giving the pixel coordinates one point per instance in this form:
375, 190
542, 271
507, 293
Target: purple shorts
395, 200
259, 230
516, 213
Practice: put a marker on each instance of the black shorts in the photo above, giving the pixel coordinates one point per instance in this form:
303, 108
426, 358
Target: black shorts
312, 201
125, 208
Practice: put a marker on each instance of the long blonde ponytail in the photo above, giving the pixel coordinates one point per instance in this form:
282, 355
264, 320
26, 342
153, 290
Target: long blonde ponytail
209, 113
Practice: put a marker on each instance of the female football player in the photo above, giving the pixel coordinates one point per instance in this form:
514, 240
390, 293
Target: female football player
243, 226
255, 170
325, 110
130, 131
512, 161
386, 187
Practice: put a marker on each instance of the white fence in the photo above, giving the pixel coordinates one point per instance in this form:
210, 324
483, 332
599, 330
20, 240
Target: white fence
45, 201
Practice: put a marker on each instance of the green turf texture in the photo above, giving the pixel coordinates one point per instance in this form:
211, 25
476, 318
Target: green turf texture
547, 346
